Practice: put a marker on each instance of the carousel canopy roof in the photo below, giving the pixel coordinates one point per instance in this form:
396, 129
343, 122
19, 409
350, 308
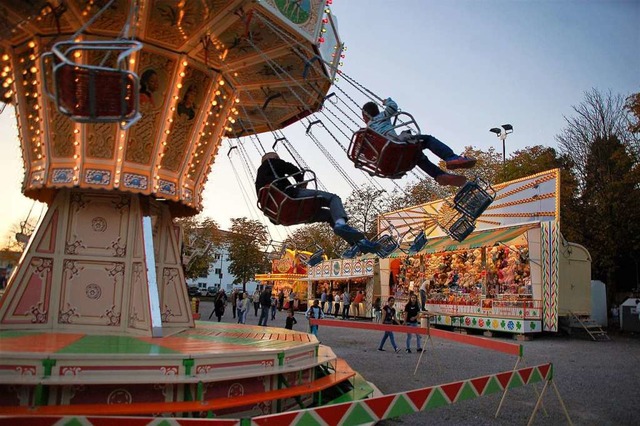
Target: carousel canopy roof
266, 50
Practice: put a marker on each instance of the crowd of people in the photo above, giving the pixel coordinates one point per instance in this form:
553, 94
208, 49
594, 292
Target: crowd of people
335, 304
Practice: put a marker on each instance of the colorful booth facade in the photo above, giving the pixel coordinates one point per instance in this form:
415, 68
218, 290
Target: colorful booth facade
288, 274
515, 273
350, 275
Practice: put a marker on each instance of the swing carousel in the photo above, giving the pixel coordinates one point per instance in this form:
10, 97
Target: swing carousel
121, 107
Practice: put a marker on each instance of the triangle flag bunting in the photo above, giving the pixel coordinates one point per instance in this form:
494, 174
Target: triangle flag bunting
419, 397
358, 415
400, 407
451, 390
544, 371
332, 414
504, 378
480, 383
525, 373
380, 405
467, 392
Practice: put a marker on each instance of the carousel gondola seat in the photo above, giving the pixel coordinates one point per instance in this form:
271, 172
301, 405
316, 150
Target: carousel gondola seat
383, 156
90, 93
474, 198
95, 95
283, 209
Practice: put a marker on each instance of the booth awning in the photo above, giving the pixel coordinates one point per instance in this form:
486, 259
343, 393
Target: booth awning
486, 237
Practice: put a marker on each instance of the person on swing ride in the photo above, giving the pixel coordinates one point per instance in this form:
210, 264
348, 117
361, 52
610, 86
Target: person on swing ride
332, 212
380, 122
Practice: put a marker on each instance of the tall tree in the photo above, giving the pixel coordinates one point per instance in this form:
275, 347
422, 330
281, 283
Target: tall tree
308, 237
364, 206
247, 243
633, 106
607, 200
200, 238
598, 116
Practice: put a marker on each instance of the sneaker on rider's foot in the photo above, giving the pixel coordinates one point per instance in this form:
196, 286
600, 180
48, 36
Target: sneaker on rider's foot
348, 233
460, 162
367, 246
381, 350
397, 350
408, 350
351, 252
419, 349
451, 179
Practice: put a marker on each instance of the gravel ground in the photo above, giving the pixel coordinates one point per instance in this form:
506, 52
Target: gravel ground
599, 381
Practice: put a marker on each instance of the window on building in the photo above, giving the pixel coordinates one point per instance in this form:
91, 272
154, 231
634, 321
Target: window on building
216, 256
218, 271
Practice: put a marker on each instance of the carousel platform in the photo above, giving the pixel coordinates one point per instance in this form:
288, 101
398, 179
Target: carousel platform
218, 368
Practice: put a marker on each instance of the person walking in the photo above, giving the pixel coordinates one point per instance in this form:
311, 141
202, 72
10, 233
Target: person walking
323, 299
219, 305
290, 320
346, 303
423, 293
234, 302
280, 299
411, 314
256, 302
274, 306
241, 307
314, 311
377, 310
265, 304
389, 318
336, 304
356, 303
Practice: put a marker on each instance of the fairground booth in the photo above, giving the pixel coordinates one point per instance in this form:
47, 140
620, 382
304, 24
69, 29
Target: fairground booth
515, 273
288, 274
351, 275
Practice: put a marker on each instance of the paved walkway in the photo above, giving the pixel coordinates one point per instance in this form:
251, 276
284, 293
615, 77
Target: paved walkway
598, 381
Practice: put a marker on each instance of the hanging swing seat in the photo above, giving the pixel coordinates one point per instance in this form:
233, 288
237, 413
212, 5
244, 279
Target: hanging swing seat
315, 258
387, 244
383, 156
94, 93
412, 241
418, 243
386, 156
459, 227
282, 209
474, 198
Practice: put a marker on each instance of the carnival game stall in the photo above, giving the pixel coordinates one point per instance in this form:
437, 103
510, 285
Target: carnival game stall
350, 275
288, 275
515, 273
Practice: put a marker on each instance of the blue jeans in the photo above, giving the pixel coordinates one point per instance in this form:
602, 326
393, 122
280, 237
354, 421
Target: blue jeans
264, 316
345, 311
329, 215
240, 316
418, 337
389, 335
314, 330
438, 148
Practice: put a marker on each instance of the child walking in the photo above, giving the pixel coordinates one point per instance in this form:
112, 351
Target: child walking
290, 320
389, 317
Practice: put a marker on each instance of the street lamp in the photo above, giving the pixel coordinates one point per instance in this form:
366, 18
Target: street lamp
502, 132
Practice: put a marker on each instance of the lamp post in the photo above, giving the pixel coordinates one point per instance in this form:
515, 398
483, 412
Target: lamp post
502, 132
